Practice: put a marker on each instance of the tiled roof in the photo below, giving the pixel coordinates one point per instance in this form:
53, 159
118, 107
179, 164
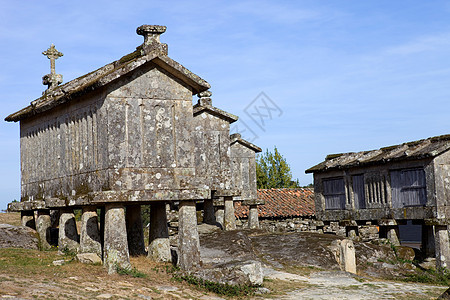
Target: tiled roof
429, 147
282, 203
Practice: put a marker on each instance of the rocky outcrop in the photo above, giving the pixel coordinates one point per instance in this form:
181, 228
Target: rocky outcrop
18, 237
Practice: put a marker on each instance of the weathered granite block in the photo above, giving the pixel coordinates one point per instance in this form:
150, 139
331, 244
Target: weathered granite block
229, 217
27, 219
159, 244
253, 220
43, 226
442, 247
68, 239
189, 243
115, 243
90, 240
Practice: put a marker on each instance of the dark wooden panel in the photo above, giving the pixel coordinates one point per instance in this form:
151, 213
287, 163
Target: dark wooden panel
334, 193
358, 191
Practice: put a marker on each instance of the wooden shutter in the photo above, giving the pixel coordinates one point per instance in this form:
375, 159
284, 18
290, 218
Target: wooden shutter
358, 191
334, 193
408, 188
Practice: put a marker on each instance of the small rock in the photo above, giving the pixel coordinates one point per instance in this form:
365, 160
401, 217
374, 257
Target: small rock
429, 263
88, 258
166, 288
262, 290
144, 297
253, 270
104, 296
59, 262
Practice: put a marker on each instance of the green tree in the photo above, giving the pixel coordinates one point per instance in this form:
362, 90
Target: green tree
272, 171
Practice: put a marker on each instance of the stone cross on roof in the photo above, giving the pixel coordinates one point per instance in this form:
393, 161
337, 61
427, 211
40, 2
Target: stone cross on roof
52, 80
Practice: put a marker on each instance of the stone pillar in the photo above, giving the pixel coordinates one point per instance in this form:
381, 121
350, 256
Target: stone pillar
352, 232
189, 243
27, 218
393, 235
115, 252
135, 231
348, 256
159, 244
253, 220
90, 240
43, 226
442, 247
229, 220
220, 213
428, 247
208, 212
68, 239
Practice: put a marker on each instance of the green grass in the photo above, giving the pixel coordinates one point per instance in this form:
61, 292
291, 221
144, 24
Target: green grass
440, 277
218, 288
131, 272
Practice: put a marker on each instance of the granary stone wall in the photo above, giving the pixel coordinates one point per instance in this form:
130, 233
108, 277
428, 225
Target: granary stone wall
243, 162
61, 154
212, 145
150, 133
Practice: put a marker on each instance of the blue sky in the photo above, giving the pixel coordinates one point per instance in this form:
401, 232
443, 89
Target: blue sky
346, 75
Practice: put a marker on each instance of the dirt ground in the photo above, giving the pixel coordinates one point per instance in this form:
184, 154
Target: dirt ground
30, 274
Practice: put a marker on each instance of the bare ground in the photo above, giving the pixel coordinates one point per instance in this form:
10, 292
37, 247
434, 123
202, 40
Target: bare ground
296, 267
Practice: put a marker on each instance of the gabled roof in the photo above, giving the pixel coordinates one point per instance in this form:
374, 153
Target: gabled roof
215, 112
420, 149
236, 138
282, 203
106, 74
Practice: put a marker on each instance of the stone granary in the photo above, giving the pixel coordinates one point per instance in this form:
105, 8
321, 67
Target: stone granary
389, 186
121, 136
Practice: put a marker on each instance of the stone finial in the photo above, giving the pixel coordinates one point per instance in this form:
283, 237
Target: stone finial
204, 98
52, 80
235, 136
151, 33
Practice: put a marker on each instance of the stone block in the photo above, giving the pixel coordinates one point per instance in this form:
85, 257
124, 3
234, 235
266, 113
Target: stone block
88, 258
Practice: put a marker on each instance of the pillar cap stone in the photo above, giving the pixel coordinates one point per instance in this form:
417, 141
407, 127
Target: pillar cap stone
151, 32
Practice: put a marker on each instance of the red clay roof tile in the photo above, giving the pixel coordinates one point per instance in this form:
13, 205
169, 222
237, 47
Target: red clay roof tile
282, 203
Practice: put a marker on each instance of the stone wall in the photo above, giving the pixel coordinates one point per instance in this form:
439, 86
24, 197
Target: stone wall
366, 232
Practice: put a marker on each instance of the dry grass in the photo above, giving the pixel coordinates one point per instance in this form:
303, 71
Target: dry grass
10, 218
31, 274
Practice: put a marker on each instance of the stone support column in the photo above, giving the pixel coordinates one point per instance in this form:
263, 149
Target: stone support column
229, 222
442, 247
68, 239
135, 231
389, 230
27, 218
428, 247
220, 213
208, 212
115, 252
43, 226
392, 235
253, 220
189, 243
352, 232
90, 240
159, 244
